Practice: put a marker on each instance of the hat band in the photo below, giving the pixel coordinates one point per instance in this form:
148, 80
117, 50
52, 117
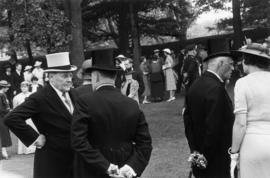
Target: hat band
66, 67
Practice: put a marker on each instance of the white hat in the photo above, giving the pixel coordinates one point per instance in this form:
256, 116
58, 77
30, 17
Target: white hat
27, 68
37, 63
59, 62
121, 56
167, 50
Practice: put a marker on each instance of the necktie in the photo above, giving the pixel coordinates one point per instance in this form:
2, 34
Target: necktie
67, 101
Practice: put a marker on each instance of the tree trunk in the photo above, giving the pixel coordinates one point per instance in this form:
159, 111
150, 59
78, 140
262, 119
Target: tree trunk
29, 52
237, 25
135, 36
77, 49
123, 29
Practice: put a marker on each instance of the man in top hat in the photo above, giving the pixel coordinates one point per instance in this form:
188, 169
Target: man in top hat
209, 117
109, 132
85, 75
38, 72
51, 110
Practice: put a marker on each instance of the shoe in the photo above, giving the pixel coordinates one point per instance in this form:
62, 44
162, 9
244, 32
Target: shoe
4, 154
171, 99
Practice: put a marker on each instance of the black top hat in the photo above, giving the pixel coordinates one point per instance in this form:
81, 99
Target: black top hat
103, 61
223, 53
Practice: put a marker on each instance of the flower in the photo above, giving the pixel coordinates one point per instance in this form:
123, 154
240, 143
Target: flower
197, 160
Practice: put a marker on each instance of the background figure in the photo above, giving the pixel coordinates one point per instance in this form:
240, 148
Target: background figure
8, 77
17, 79
4, 109
17, 100
130, 87
178, 69
157, 77
28, 74
86, 77
170, 75
208, 117
251, 130
38, 72
35, 86
145, 69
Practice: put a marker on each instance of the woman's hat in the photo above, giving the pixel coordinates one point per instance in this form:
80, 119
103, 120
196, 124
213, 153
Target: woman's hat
4, 83
37, 63
27, 68
156, 51
121, 56
257, 49
167, 50
59, 62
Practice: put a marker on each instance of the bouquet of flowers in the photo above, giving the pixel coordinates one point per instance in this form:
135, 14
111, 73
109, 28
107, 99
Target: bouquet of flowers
197, 160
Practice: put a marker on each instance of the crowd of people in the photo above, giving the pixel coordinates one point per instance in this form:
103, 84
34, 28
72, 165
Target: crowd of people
98, 129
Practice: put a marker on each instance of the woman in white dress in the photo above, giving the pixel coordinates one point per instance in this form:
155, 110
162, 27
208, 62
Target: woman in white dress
39, 72
27, 74
17, 100
251, 130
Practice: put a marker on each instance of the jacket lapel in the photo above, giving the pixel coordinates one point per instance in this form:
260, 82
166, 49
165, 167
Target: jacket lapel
57, 103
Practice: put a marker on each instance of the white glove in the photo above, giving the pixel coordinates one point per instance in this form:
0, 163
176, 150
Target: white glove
113, 170
234, 163
127, 172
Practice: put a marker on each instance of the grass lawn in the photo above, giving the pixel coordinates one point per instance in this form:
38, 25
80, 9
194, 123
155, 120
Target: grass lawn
170, 150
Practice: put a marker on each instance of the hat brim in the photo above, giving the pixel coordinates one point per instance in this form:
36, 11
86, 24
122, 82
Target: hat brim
102, 69
219, 54
252, 52
72, 69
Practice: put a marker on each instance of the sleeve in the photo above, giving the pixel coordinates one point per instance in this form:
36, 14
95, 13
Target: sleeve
79, 139
214, 106
143, 146
15, 120
240, 100
141, 84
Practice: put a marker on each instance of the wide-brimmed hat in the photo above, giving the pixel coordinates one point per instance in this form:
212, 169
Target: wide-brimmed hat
103, 61
167, 50
219, 54
37, 63
4, 83
120, 56
59, 62
156, 51
83, 70
27, 68
256, 49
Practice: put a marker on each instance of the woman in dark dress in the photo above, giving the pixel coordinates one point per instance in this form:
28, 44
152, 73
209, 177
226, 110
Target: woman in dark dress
4, 109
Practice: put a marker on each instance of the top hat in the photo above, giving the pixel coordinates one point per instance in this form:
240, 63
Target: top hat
219, 54
27, 68
37, 63
167, 50
4, 83
59, 62
103, 61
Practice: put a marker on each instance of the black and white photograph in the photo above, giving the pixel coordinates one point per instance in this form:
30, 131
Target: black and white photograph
134, 89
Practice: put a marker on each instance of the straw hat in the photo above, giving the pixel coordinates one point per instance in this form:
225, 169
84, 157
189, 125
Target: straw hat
27, 68
167, 50
4, 83
37, 63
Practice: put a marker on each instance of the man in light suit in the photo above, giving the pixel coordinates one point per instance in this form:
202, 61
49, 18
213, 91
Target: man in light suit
51, 110
209, 117
109, 132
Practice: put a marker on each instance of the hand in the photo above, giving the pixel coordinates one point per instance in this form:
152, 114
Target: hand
127, 172
40, 141
234, 163
113, 169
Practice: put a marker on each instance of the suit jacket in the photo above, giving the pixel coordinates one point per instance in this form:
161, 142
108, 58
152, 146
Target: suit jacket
208, 123
82, 90
53, 120
109, 127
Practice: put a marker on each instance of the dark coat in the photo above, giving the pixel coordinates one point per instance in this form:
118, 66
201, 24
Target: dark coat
53, 120
4, 132
208, 124
138, 76
81, 90
191, 67
109, 127
16, 82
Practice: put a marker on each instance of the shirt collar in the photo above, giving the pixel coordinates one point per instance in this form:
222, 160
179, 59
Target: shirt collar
105, 84
59, 93
215, 75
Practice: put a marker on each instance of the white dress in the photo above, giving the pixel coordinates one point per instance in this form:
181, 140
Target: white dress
22, 149
252, 97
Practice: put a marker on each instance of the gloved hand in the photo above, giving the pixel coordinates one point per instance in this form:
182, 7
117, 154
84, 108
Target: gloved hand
234, 163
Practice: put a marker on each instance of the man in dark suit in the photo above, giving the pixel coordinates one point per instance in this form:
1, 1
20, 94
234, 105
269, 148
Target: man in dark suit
209, 117
108, 131
51, 110
17, 79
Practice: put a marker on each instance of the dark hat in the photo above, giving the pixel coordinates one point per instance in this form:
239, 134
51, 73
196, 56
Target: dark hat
4, 83
103, 61
223, 53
